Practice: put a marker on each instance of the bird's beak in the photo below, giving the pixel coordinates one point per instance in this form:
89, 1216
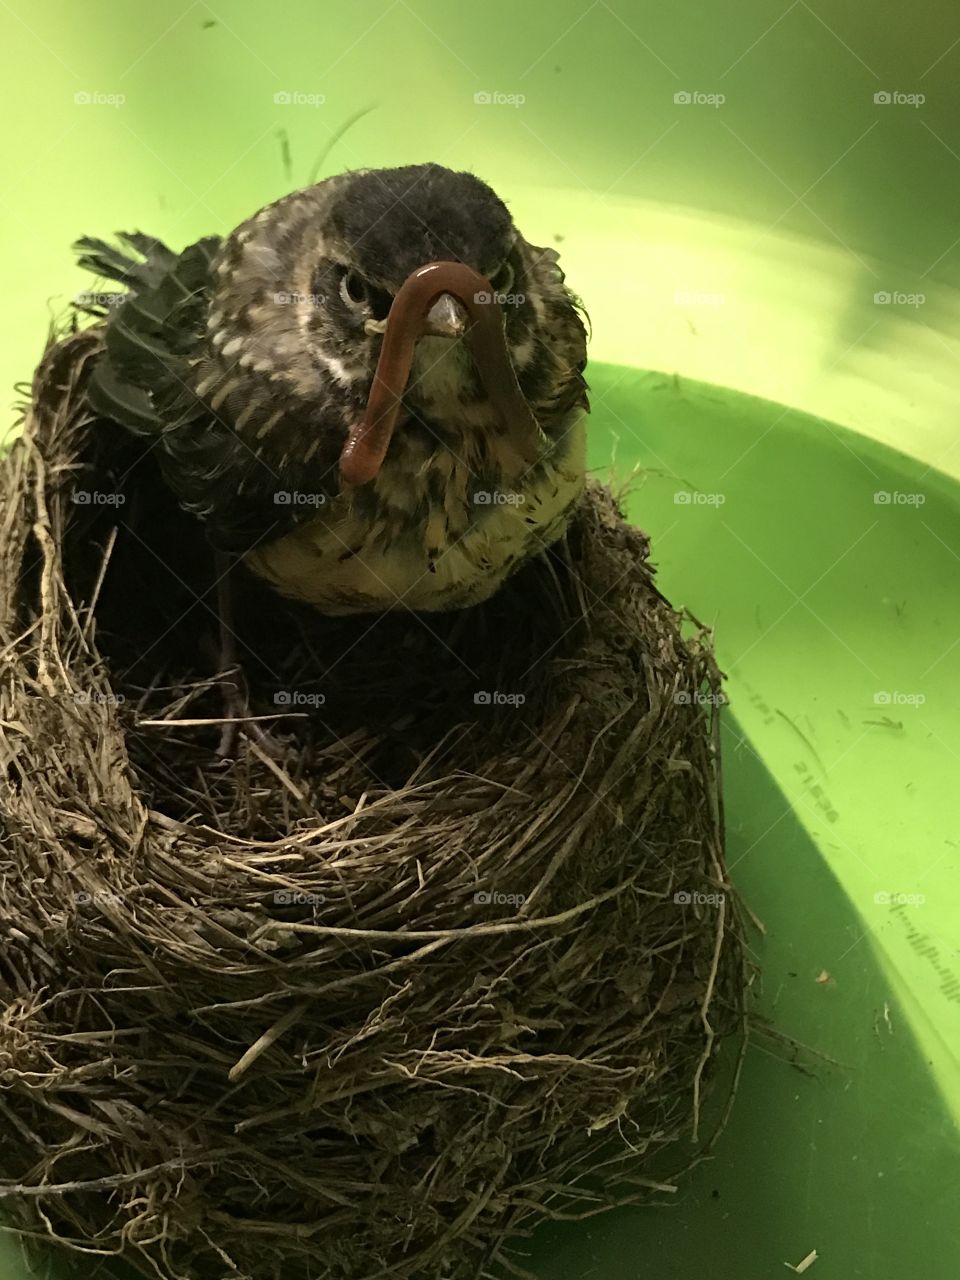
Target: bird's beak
448, 299
447, 318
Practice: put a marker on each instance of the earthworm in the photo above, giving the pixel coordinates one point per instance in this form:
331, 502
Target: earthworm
368, 441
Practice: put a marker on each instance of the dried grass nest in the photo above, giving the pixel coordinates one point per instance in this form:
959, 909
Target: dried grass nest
380, 1008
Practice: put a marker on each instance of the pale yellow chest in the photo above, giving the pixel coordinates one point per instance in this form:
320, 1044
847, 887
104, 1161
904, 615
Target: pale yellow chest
450, 554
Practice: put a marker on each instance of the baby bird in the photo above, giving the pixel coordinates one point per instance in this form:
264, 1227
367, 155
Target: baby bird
371, 392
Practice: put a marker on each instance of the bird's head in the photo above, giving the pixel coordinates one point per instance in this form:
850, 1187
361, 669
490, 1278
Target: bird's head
391, 297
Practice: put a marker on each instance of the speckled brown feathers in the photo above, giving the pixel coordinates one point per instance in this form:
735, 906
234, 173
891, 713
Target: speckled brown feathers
248, 360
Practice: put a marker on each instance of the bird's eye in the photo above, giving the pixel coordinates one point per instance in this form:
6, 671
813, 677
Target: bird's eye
502, 278
353, 289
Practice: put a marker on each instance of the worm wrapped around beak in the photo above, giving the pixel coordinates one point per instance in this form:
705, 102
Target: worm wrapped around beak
447, 298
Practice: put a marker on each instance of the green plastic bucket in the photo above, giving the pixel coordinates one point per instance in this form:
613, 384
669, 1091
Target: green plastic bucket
759, 206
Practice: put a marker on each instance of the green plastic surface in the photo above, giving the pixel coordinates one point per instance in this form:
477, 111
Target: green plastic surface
737, 250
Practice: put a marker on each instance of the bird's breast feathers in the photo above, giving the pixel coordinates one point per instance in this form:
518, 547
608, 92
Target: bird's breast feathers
433, 540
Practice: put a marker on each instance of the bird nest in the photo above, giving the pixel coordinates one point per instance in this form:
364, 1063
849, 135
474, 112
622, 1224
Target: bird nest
460, 961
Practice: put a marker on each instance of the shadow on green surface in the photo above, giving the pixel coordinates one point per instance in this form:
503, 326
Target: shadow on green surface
857, 1161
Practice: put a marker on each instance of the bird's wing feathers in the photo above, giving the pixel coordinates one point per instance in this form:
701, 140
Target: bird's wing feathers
112, 397
145, 382
103, 259
153, 332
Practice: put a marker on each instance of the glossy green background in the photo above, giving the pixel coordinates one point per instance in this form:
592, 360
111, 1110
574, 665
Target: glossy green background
736, 246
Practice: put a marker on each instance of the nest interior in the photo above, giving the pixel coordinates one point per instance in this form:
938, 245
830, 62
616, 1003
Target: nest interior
461, 960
